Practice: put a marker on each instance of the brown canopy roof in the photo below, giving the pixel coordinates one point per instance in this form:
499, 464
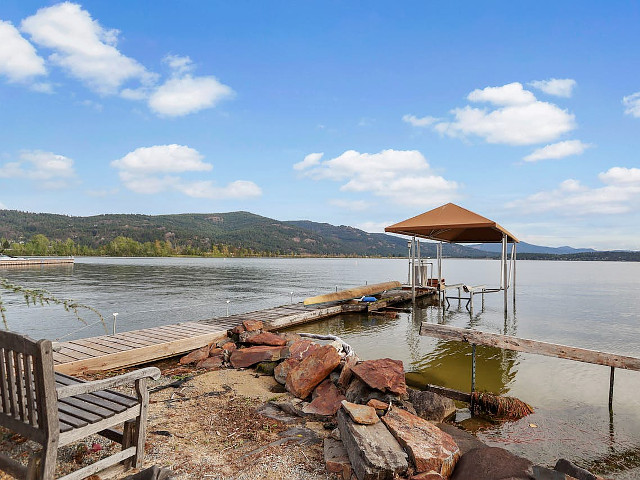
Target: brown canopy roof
451, 223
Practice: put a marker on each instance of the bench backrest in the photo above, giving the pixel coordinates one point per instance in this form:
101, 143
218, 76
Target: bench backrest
28, 403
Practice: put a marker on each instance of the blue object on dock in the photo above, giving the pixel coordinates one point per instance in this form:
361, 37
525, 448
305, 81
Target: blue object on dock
368, 299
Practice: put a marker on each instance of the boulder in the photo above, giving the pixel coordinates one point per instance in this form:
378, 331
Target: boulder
245, 357
252, 325
361, 414
237, 330
336, 458
266, 368
267, 338
346, 374
428, 447
283, 368
301, 349
385, 374
427, 476
373, 452
245, 337
326, 400
195, 356
492, 463
229, 346
379, 406
466, 441
360, 392
305, 376
215, 351
211, 363
565, 466
431, 406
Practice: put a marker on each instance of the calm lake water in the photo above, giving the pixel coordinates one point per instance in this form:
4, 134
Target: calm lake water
588, 304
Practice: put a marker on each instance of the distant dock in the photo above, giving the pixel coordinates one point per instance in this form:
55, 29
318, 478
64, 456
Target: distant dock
126, 349
34, 261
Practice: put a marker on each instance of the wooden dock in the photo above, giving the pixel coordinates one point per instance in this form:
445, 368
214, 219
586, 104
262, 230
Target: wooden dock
34, 262
136, 347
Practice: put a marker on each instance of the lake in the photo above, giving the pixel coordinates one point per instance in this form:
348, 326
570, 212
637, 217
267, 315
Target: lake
587, 304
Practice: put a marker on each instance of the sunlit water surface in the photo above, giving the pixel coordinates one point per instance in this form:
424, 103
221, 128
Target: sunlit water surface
588, 304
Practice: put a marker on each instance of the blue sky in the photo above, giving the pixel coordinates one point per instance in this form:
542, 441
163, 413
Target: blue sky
355, 113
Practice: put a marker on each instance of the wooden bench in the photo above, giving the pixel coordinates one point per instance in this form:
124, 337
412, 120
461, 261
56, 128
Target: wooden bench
54, 409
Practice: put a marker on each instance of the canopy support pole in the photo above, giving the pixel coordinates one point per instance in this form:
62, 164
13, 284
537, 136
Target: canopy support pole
504, 272
513, 259
413, 269
440, 286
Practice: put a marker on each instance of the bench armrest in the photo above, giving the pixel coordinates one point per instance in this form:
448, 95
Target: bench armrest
124, 379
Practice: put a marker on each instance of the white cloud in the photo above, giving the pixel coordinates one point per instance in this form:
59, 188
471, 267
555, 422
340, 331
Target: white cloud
179, 64
518, 119
50, 169
19, 61
560, 87
557, 150
353, 205
419, 121
309, 161
183, 95
150, 170
3, 206
403, 176
374, 227
632, 104
84, 48
620, 194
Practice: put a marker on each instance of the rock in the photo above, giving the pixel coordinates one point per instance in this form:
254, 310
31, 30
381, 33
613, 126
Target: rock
211, 363
302, 349
360, 413
492, 463
428, 447
267, 338
373, 452
336, 458
565, 466
252, 325
266, 368
215, 351
244, 337
543, 473
195, 356
378, 405
346, 374
152, 473
359, 392
229, 346
385, 374
222, 342
237, 330
282, 370
427, 476
245, 357
326, 400
305, 376
431, 406
466, 441
335, 434
271, 410
292, 407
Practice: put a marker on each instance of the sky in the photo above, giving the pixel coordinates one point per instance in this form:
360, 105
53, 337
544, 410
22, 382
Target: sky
350, 113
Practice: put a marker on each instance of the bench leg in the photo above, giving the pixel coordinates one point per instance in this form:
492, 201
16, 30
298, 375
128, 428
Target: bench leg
128, 440
141, 421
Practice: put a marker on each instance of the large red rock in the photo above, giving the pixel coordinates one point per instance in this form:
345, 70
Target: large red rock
428, 447
302, 349
252, 325
267, 338
326, 400
346, 373
361, 414
336, 458
195, 356
384, 374
282, 370
229, 346
308, 374
211, 363
245, 357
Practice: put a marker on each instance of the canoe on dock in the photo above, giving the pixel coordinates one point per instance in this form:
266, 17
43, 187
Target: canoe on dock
351, 293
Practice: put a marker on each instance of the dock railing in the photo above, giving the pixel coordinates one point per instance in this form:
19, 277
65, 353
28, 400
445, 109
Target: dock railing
507, 342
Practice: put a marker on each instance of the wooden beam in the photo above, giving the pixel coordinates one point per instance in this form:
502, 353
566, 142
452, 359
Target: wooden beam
508, 342
352, 293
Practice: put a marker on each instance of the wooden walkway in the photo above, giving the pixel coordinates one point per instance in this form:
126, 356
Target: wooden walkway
136, 347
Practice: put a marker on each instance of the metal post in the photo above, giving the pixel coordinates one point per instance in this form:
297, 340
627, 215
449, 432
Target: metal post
440, 290
504, 271
115, 315
409, 245
291, 293
513, 259
611, 378
228, 301
413, 269
473, 373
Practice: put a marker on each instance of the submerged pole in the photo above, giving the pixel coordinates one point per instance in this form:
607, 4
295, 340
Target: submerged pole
473, 373
611, 379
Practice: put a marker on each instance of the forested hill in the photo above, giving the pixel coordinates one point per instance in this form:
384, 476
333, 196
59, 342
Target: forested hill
240, 233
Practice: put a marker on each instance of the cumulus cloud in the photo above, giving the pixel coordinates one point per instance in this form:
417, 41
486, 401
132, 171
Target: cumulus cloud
308, 161
632, 104
619, 193
557, 150
84, 48
419, 121
403, 176
150, 170
50, 169
516, 118
19, 61
180, 96
560, 87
